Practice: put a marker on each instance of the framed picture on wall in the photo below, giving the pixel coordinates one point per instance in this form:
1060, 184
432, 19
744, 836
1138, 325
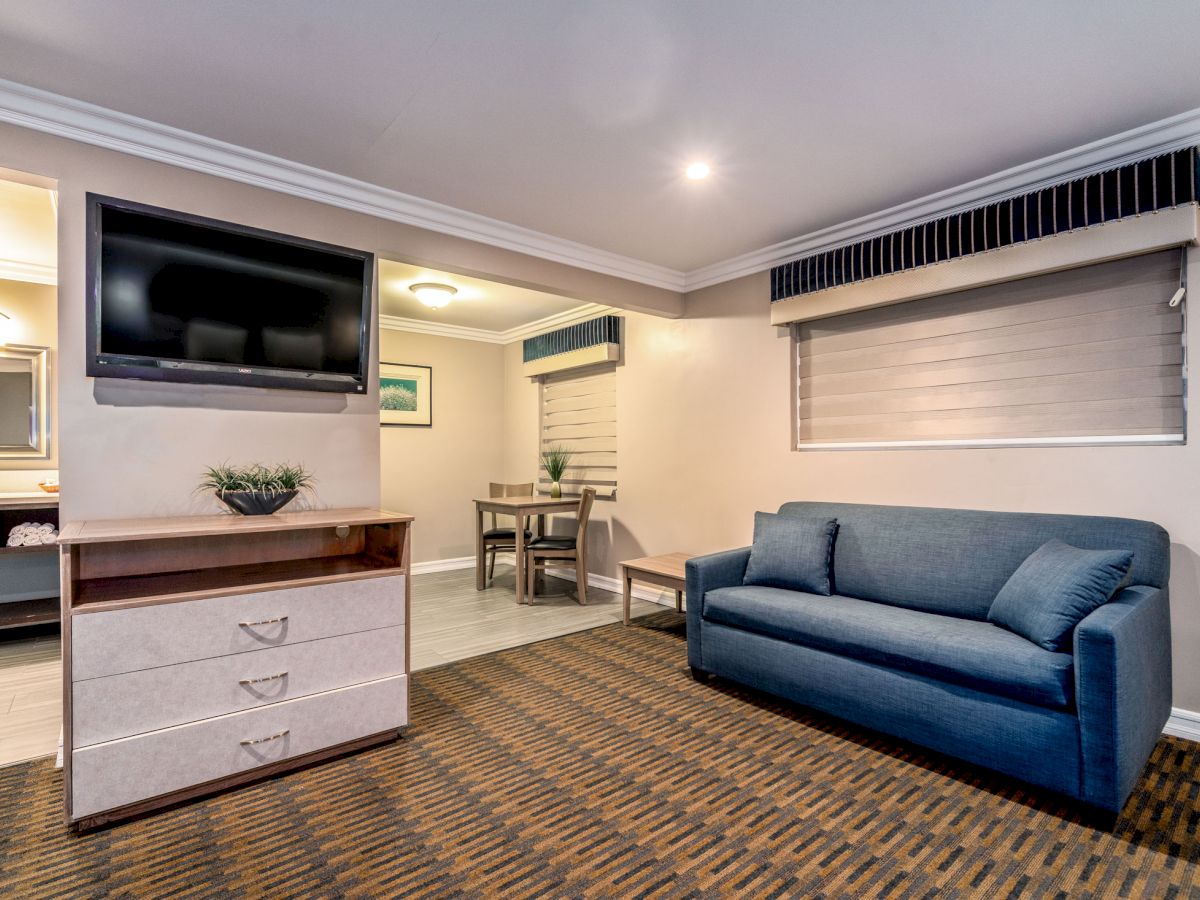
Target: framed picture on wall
405, 394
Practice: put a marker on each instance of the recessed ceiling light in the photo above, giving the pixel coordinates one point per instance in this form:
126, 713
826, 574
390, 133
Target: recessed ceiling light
697, 170
433, 295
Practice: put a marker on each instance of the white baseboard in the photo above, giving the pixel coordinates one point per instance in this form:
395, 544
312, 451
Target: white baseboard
443, 565
661, 596
601, 582
1184, 723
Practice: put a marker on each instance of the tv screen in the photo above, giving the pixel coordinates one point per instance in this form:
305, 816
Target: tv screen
175, 297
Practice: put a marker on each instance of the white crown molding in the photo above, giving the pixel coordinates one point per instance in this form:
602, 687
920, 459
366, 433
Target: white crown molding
520, 332
460, 332
558, 320
37, 273
443, 565
1163, 136
90, 124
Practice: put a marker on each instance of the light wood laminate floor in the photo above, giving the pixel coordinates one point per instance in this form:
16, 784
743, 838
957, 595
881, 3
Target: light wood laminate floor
30, 697
450, 621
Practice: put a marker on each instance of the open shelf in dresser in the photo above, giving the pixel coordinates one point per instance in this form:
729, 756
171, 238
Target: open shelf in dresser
114, 564
14, 510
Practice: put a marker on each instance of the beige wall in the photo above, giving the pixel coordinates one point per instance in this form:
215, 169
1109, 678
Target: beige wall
435, 473
131, 448
703, 408
34, 312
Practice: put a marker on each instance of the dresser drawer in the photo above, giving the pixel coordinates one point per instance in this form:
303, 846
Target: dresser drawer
117, 773
128, 640
118, 706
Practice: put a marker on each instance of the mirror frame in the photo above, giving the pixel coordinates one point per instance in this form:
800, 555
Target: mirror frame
39, 405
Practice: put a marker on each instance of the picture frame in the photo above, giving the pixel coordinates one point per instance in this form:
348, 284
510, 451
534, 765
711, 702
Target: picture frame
405, 395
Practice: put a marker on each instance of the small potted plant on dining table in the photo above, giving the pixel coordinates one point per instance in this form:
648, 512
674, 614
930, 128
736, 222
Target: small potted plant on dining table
256, 489
555, 460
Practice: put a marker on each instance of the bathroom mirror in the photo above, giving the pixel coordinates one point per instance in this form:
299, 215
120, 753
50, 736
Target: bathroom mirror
24, 402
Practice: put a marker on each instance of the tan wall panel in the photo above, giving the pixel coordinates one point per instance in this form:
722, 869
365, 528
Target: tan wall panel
435, 473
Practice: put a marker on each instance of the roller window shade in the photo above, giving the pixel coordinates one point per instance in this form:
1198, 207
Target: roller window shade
1088, 355
579, 412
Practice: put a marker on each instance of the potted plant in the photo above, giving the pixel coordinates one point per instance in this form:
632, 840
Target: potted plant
256, 490
555, 459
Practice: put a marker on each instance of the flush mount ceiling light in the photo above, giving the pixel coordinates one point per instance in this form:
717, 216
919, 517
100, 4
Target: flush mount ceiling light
697, 171
432, 294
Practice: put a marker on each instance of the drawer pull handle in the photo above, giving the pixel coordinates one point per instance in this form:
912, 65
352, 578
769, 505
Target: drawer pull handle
273, 737
274, 621
274, 677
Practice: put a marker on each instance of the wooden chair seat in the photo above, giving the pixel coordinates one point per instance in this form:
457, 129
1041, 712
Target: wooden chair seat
553, 542
497, 539
556, 549
504, 534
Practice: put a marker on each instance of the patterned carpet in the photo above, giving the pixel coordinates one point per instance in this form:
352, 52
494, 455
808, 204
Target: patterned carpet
592, 766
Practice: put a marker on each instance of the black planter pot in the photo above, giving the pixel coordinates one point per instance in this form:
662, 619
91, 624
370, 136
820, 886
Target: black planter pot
257, 503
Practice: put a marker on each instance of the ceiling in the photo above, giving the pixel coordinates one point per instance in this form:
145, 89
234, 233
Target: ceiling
479, 304
576, 119
28, 233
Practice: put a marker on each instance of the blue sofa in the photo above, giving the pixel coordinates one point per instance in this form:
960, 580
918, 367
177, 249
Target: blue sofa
904, 646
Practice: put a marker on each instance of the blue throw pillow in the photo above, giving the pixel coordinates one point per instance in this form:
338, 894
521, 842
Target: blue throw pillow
1055, 588
791, 552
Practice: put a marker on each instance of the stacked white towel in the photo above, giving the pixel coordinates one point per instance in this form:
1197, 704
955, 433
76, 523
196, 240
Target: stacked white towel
31, 534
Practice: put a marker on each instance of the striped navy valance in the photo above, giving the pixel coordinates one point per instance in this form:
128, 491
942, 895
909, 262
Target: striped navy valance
1145, 186
602, 330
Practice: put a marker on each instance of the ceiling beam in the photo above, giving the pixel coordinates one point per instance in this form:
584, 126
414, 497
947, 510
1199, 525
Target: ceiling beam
483, 335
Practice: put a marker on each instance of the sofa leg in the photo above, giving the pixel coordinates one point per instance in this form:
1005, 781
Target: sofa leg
1099, 819
700, 675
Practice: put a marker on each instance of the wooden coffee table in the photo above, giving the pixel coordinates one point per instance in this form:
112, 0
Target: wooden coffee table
664, 571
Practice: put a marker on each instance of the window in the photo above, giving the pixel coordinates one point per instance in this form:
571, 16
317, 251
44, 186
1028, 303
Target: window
1090, 355
579, 412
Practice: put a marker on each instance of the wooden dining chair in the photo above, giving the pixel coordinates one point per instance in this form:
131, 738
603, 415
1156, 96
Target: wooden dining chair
555, 549
498, 539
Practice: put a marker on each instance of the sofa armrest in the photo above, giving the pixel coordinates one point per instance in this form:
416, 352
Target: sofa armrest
707, 573
1122, 690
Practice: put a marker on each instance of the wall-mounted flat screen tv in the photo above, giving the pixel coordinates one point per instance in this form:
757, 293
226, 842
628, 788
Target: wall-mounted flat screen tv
176, 297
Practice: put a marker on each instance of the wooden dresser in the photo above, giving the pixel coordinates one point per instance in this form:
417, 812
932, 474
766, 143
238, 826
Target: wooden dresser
205, 652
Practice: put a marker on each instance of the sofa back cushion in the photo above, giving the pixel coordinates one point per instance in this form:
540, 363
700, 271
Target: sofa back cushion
955, 561
791, 552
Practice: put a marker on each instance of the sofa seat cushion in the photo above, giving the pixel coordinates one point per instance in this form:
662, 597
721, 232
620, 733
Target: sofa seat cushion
963, 651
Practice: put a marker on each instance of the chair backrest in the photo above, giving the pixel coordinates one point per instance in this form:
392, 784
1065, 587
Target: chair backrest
585, 511
496, 489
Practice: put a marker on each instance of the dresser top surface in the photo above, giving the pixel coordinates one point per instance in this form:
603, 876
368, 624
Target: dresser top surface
96, 531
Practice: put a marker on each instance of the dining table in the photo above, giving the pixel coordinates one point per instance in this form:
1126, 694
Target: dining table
520, 508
